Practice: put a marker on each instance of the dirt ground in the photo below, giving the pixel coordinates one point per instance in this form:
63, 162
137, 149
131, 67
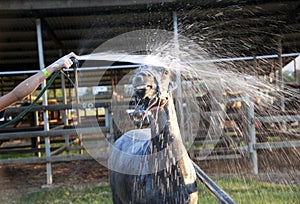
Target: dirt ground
16, 180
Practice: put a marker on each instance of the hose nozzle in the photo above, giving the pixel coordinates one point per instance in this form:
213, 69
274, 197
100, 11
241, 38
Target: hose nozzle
75, 62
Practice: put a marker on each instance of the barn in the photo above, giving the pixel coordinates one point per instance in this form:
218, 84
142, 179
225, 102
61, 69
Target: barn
81, 110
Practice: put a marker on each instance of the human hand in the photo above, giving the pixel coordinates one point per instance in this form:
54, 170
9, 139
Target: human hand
63, 63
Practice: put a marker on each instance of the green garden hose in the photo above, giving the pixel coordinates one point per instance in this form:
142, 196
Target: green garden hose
24, 112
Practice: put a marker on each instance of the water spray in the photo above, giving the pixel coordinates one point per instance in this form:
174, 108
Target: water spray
152, 60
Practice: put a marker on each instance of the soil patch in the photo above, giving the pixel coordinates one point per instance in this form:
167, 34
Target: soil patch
277, 166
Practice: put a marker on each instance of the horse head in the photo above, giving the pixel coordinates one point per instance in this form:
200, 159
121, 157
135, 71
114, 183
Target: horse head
150, 82
152, 88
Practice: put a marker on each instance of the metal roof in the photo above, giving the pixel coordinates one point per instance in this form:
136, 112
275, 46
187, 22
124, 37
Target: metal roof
230, 28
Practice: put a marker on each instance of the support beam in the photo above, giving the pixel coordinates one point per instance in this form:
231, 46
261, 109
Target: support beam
77, 101
45, 102
280, 81
280, 65
57, 4
252, 136
295, 72
65, 113
179, 106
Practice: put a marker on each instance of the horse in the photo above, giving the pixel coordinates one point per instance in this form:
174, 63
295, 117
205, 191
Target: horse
151, 164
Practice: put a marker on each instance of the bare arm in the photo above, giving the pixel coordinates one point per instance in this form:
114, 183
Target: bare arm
30, 84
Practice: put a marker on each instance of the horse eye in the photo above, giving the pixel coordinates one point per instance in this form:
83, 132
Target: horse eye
166, 72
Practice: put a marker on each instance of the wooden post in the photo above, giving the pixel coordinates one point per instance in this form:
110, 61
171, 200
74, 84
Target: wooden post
271, 72
45, 102
275, 73
65, 114
179, 106
108, 124
190, 131
295, 72
280, 82
280, 75
107, 118
255, 65
38, 138
77, 109
252, 137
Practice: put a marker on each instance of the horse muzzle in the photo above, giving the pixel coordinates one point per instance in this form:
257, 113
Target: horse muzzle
143, 91
140, 93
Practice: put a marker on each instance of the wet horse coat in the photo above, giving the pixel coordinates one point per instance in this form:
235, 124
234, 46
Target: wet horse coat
151, 165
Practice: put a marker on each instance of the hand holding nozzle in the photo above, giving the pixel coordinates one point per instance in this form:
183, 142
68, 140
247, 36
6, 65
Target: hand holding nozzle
30, 84
64, 62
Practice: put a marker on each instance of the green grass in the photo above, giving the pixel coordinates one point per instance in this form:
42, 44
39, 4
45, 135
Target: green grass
252, 191
242, 191
15, 156
91, 195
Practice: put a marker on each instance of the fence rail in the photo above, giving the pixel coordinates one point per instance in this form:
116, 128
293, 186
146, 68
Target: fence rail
250, 144
43, 160
52, 133
248, 149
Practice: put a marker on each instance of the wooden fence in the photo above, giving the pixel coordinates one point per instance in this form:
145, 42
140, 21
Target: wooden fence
248, 147
247, 138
